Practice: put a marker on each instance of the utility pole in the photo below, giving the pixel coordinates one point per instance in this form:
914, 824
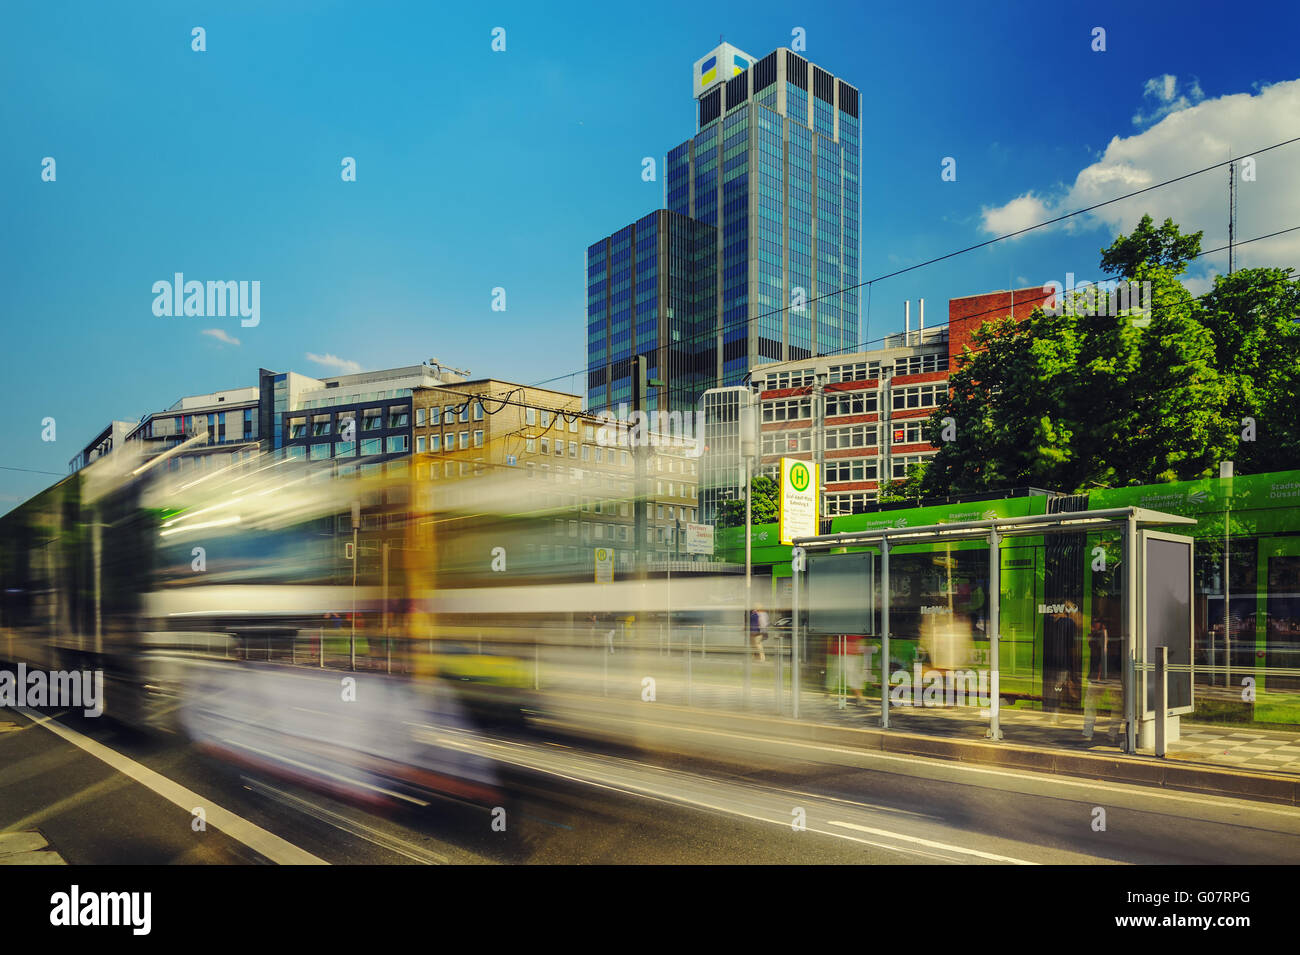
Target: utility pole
1232, 215
637, 437
748, 450
356, 524
819, 441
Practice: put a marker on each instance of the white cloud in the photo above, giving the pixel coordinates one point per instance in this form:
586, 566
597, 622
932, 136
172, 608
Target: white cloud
220, 335
1163, 96
344, 365
1185, 140
1020, 213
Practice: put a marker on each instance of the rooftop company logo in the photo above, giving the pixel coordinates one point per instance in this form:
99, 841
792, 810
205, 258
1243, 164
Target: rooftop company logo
178, 297
709, 70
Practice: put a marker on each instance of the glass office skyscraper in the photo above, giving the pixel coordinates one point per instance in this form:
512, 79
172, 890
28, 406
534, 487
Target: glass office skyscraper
763, 214
650, 291
775, 167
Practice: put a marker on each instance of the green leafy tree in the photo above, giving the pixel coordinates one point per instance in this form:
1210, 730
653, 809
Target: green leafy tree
1074, 400
1147, 245
910, 488
1253, 315
766, 507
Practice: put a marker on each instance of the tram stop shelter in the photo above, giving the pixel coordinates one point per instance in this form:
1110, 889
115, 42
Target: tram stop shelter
846, 578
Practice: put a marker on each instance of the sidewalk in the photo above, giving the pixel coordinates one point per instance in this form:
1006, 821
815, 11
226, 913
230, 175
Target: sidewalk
1239, 747
1229, 746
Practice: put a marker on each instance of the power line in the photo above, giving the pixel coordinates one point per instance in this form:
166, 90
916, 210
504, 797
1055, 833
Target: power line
723, 328
33, 470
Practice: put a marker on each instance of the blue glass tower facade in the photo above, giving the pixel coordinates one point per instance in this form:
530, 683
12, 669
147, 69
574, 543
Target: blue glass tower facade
650, 291
775, 166
754, 259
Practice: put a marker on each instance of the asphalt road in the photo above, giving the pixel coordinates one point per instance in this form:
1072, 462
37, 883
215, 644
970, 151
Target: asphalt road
697, 795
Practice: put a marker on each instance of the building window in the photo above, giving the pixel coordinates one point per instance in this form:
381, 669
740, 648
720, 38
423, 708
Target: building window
478, 411
345, 449
398, 418
921, 364
918, 396
784, 442
435, 442
850, 403
530, 416
787, 409
850, 469
320, 451
855, 436
546, 445
419, 417
297, 427
478, 439
530, 445
372, 419
419, 445
909, 432
370, 446
899, 464
559, 448
464, 440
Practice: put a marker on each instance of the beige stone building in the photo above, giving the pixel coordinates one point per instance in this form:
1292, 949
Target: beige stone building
573, 461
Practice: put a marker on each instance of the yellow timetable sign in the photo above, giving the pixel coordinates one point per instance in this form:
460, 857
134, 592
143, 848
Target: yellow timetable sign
798, 499
604, 565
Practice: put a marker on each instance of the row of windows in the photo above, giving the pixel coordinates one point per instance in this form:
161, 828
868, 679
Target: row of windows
785, 442
447, 442
921, 364
789, 409
851, 469
854, 503
854, 436
919, 396
323, 450
850, 403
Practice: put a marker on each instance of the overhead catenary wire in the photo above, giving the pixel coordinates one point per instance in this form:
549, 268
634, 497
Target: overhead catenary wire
725, 327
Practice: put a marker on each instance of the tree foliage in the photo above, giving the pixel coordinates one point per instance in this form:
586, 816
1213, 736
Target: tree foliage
766, 505
1078, 400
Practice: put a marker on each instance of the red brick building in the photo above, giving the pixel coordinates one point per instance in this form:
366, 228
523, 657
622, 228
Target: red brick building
966, 314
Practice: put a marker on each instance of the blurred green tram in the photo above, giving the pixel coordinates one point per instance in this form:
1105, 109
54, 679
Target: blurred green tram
1056, 594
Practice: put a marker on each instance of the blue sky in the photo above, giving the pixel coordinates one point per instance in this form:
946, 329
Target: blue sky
478, 169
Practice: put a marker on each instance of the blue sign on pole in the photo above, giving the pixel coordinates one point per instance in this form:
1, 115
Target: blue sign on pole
511, 459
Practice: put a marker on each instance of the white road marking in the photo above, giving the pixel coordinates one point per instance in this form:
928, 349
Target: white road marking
346, 824
1239, 805
943, 846
599, 777
265, 843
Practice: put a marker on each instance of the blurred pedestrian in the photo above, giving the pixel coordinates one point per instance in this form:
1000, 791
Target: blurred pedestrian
758, 623
1098, 677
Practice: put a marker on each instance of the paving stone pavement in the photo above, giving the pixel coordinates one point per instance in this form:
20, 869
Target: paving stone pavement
1227, 746
27, 848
